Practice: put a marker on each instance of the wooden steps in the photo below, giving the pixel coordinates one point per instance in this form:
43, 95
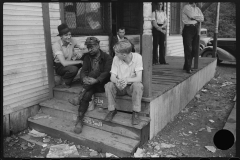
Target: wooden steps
121, 123
99, 140
118, 137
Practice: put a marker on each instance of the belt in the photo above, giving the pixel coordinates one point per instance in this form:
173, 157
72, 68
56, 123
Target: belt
191, 25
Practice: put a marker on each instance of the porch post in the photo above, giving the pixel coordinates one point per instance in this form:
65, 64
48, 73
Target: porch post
48, 47
147, 49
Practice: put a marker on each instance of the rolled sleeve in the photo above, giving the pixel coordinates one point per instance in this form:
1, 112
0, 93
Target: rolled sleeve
139, 65
56, 50
153, 16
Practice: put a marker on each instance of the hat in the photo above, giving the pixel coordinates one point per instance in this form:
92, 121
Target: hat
63, 29
91, 41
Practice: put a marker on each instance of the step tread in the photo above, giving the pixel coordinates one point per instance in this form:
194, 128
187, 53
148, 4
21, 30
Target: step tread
98, 113
96, 136
77, 87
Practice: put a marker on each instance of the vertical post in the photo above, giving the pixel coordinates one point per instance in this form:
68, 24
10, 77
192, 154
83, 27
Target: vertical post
61, 5
147, 49
216, 31
166, 35
48, 47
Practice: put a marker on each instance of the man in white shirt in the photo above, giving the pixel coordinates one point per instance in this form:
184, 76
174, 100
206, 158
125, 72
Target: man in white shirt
126, 78
191, 15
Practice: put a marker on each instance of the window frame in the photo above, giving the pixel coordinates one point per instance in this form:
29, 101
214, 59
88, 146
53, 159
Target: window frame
178, 24
105, 12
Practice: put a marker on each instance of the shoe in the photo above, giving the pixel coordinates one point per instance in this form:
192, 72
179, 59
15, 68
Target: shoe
64, 85
78, 127
110, 115
79, 124
189, 71
135, 118
165, 63
74, 101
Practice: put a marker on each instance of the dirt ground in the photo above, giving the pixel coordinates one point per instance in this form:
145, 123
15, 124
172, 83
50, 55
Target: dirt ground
186, 136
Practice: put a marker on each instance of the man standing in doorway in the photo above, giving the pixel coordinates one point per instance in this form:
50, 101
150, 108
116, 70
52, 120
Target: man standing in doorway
120, 37
191, 15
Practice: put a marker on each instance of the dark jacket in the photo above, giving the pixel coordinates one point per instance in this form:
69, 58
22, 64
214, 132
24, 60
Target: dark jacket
105, 65
115, 40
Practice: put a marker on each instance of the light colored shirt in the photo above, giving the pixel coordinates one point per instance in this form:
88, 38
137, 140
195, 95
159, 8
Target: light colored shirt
66, 51
161, 17
189, 12
124, 70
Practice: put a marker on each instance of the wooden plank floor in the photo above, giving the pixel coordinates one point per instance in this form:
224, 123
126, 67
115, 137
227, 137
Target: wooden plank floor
165, 77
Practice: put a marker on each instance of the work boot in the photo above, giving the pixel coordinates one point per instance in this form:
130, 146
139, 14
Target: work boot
76, 100
79, 124
110, 115
135, 118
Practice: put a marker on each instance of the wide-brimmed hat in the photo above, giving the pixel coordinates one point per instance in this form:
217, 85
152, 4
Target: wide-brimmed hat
91, 41
63, 29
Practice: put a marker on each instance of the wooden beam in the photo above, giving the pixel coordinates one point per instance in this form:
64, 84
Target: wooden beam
62, 12
48, 47
205, 6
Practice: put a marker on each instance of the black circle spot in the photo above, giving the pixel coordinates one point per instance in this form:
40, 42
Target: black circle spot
223, 139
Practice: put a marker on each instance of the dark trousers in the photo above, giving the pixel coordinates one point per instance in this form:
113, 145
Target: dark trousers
189, 35
89, 91
158, 40
67, 73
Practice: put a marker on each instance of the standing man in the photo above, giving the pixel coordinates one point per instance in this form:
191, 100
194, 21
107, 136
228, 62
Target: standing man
191, 15
126, 78
64, 57
95, 74
120, 37
159, 23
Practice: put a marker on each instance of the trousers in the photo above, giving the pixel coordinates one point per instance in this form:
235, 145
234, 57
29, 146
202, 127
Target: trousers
135, 90
190, 37
67, 73
90, 90
158, 41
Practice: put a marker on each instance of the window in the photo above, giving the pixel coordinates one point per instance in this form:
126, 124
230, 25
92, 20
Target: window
175, 18
87, 18
131, 17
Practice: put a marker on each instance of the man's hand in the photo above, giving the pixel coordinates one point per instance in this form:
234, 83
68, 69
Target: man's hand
85, 80
92, 81
121, 84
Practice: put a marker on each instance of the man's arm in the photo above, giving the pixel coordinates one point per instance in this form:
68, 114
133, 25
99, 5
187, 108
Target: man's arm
138, 78
84, 71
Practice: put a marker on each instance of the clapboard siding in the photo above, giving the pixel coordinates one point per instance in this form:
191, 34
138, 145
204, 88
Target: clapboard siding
24, 85
24, 56
24, 104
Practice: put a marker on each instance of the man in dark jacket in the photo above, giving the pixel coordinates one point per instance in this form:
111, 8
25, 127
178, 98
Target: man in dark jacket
120, 37
95, 74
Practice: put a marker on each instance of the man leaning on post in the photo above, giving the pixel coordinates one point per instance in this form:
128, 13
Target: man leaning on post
126, 78
95, 74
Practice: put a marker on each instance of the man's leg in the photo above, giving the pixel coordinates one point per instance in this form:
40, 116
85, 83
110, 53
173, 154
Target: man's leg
68, 73
162, 49
76, 100
83, 109
136, 91
155, 45
188, 34
111, 92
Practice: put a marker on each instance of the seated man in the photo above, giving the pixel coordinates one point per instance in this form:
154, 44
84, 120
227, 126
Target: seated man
126, 78
95, 74
66, 61
120, 37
